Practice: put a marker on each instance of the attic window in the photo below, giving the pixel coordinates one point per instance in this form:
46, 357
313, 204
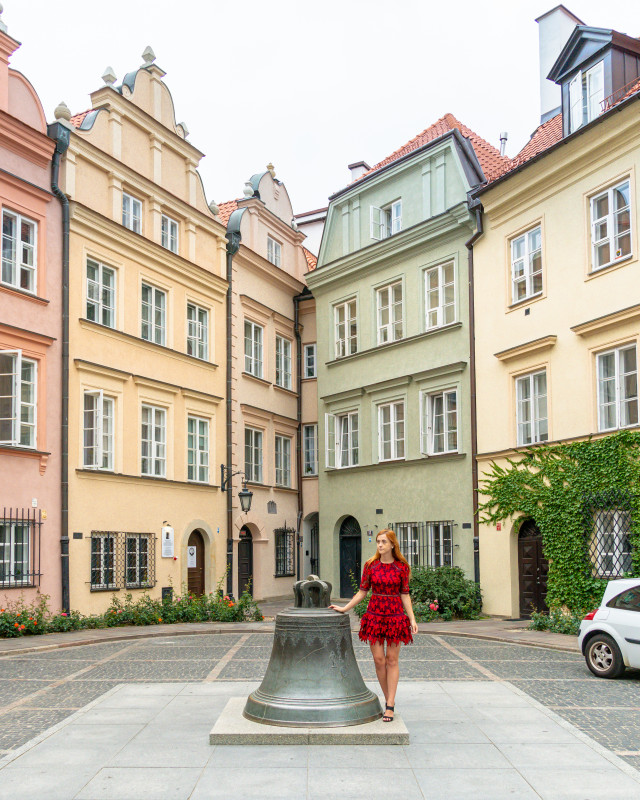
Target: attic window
386, 221
274, 251
586, 93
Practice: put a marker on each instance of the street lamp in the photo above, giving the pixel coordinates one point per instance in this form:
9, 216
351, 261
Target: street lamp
244, 495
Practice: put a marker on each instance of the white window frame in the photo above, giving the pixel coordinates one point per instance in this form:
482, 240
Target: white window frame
396, 425
197, 449
310, 361
529, 399
274, 251
283, 362
101, 553
131, 212
342, 432
310, 450
20, 409
605, 229
585, 103
156, 332
253, 438
197, 331
347, 344
429, 428
19, 257
283, 460
141, 560
156, 458
618, 379
98, 294
436, 316
522, 267
169, 233
385, 221
100, 455
8, 562
253, 340
386, 300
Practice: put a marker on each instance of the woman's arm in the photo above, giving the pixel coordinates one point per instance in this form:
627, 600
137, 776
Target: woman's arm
357, 597
408, 607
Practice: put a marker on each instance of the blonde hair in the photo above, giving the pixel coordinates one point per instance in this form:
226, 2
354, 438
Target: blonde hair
396, 548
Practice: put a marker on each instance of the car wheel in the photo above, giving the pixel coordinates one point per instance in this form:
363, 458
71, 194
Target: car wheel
603, 657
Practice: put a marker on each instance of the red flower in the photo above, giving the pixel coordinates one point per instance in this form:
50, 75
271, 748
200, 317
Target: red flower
433, 606
63, 614
15, 625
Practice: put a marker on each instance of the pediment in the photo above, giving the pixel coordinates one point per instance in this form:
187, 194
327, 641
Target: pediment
581, 46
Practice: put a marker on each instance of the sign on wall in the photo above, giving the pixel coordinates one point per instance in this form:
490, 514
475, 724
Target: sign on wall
167, 542
191, 557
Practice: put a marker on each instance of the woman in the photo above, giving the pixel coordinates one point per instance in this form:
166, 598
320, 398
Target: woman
387, 573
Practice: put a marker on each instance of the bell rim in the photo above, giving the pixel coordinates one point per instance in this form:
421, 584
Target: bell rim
312, 703
344, 723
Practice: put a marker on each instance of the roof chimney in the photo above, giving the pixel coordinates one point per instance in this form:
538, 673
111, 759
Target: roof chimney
554, 28
358, 169
503, 142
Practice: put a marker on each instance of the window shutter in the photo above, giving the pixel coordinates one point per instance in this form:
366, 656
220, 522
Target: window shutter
424, 423
396, 217
575, 102
11, 365
376, 222
330, 440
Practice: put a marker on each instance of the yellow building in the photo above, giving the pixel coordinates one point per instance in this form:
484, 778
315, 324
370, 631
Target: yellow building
557, 293
146, 349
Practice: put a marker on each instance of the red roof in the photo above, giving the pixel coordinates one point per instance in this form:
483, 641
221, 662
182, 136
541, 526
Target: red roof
312, 260
77, 119
226, 210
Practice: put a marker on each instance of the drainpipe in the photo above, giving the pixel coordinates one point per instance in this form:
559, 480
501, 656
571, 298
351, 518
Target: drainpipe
475, 206
62, 136
296, 329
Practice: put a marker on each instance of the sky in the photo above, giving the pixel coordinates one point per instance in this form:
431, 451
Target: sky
308, 86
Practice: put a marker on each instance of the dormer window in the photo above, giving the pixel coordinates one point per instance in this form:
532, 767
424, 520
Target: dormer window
274, 251
386, 221
586, 93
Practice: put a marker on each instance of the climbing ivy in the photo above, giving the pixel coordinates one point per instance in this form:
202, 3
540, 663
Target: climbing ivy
557, 485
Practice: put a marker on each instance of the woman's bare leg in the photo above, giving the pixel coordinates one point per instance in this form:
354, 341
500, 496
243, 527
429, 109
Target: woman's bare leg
392, 674
377, 650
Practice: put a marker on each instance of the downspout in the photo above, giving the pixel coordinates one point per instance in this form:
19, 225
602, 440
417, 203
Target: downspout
476, 206
233, 245
62, 136
296, 329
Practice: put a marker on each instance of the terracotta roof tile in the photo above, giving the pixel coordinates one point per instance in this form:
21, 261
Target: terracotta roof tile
226, 210
312, 260
77, 119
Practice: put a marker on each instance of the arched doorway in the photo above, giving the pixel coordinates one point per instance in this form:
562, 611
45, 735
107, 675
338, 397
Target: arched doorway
245, 561
350, 555
533, 568
195, 564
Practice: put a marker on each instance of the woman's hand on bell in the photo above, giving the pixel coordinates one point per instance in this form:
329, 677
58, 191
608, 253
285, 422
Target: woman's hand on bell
337, 608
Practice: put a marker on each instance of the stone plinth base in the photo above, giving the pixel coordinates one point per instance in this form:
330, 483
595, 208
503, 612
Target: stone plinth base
233, 728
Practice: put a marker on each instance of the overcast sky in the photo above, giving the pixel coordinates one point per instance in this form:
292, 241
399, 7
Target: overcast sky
311, 86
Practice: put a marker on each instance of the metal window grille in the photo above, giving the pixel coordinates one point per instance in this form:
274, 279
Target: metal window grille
122, 559
285, 566
20, 533
608, 521
425, 544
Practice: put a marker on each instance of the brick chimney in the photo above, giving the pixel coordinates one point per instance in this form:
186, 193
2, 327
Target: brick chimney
554, 28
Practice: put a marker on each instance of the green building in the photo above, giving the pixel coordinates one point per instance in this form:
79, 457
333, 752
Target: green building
394, 371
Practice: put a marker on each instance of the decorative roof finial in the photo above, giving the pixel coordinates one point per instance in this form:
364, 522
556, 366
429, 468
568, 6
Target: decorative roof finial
214, 208
3, 27
62, 112
248, 189
109, 76
148, 57
271, 169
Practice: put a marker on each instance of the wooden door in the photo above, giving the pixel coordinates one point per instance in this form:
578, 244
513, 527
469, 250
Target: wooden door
245, 562
533, 568
195, 574
350, 555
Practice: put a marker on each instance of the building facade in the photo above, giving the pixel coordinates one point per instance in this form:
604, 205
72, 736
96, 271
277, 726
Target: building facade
393, 352
147, 349
30, 348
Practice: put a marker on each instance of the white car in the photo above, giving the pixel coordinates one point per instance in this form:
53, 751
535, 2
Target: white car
610, 636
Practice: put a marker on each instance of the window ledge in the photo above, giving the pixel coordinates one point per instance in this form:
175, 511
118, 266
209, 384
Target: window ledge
27, 451
310, 475
314, 378
284, 389
108, 475
106, 589
398, 463
595, 271
255, 378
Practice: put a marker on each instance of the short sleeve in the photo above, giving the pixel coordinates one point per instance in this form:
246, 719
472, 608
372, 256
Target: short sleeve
404, 589
365, 583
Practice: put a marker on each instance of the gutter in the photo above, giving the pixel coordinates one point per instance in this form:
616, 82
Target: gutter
62, 136
297, 299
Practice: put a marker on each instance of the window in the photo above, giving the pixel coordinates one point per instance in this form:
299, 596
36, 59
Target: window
274, 251
526, 265
18, 385
310, 361
153, 440
391, 431
253, 455
154, 314
283, 362
283, 461
198, 449
310, 449
137, 551
610, 547
531, 408
341, 440
103, 561
425, 544
101, 293
389, 305
98, 431
611, 226
253, 348
629, 600
440, 293
439, 422
386, 221
586, 93
14, 552
346, 328
617, 388
169, 233
285, 559
19, 251
131, 213
197, 331
408, 539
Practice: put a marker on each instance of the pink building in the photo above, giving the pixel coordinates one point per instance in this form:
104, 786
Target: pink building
30, 344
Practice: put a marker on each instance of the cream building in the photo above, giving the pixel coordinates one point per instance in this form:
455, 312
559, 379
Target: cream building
147, 349
557, 293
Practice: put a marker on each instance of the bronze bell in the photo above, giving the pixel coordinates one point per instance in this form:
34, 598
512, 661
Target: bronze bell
313, 679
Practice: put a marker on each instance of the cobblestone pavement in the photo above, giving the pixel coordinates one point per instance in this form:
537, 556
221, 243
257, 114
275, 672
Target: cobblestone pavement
38, 690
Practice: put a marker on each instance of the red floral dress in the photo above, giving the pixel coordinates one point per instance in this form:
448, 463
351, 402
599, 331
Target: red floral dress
385, 618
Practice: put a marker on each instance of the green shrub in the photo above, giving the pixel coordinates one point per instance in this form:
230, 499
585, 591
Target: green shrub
557, 621
449, 589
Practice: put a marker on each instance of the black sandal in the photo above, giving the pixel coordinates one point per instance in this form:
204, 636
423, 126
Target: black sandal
386, 718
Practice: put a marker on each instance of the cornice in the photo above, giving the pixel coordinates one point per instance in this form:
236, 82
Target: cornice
38, 192
267, 415
25, 141
271, 220
265, 269
261, 308
607, 321
28, 336
534, 346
